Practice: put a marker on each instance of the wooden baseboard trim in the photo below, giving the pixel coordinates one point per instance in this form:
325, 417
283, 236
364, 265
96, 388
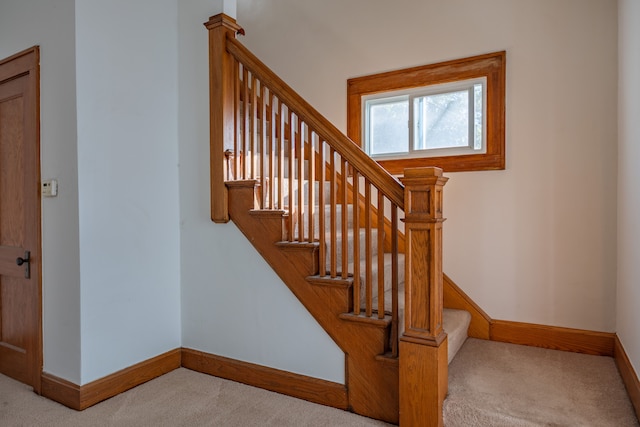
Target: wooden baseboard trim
60, 390
553, 337
81, 397
628, 374
300, 386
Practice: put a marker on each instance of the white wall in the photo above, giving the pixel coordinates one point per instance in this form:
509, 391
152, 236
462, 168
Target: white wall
536, 242
50, 25
233, 304
629, 180
127, 88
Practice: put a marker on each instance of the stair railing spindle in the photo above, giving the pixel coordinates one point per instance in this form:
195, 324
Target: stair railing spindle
380, 255
368, 253
272, 149
262, 142
245, 122
252, 128
237, 117
343, 218
311, 170
301, 180
290, 167
394, 280
332, 203
281, 123
356, 243
322, 252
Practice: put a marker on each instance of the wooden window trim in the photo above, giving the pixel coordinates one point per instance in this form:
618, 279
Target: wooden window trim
491, 65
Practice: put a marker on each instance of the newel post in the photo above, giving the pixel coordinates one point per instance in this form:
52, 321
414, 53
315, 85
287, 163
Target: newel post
423, 345
221, 118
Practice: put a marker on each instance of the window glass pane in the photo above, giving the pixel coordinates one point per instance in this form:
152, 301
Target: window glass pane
388, 127
477, 116
441, 121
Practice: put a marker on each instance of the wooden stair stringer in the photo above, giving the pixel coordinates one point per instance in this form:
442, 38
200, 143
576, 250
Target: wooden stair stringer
372, 383
454, 297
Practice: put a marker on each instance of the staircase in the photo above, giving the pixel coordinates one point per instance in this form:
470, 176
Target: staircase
455, 322
326, 217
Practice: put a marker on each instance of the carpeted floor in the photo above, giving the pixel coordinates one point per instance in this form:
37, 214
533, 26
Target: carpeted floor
497, 384
490, 384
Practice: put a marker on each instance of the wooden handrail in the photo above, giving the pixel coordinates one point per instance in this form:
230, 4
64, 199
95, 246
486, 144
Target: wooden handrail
380, 178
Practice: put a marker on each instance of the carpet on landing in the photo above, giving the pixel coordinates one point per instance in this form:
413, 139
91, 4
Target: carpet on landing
498, 384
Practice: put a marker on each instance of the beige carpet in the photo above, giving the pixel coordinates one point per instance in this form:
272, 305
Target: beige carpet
179, 398
490, 384
498, 384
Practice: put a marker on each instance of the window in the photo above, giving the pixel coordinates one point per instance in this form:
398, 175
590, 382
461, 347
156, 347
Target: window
449, 115
446, 119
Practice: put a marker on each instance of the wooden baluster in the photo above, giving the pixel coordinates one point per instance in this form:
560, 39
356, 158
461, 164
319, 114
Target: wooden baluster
332, 202
245, 122
221, 99
394, 280
368, 252
301, 180
423, 345
253, 125
272, 148
343, 219
290, 169
311, 172
281, 122
356, 243
262, 143
380, 227
322, 253
237, 118
228, 165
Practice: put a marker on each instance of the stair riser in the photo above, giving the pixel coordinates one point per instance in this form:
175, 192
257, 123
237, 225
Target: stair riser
327, 219
305, 192
350, 252
387, 280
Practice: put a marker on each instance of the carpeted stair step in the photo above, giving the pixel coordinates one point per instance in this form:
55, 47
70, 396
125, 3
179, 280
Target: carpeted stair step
350, 253
455, 322
338, 281
456, 325
305, 191
374, 279
327, 219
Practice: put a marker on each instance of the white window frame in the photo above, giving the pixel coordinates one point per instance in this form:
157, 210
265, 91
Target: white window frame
410, 95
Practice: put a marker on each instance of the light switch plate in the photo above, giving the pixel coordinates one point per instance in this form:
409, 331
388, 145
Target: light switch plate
49, 188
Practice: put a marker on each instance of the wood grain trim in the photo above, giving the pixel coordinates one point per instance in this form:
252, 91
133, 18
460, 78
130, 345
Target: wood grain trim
491, 65
82, 397
454, 297
628, 374
295, 385
21, 63
61, 391
553, 337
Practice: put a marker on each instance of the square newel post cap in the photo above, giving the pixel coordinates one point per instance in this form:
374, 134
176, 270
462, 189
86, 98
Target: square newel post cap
222, 20
421, 176
422, 172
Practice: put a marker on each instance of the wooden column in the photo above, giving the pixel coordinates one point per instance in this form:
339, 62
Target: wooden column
423, 345
221, 118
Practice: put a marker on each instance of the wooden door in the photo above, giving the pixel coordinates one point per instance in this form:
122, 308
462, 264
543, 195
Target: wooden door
20, 265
